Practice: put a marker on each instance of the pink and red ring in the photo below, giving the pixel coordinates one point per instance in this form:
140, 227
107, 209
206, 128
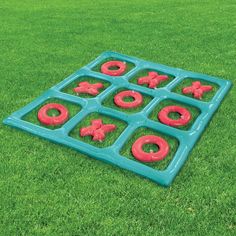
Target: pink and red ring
119, 99
105, 69
139, 154
185, 116
45, 119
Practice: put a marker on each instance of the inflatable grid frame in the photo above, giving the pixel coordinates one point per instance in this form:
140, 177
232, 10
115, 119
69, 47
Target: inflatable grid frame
186, 139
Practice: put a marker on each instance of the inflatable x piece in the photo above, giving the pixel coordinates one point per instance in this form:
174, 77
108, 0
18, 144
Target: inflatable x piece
153, 79
86, 87
97, 129
197, 89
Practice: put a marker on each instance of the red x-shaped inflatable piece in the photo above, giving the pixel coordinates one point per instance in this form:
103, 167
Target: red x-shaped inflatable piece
197, 89
97, 129
86, 87
153, 79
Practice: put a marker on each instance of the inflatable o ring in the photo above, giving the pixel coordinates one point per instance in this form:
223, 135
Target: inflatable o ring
138, 99
45, 119
106, 68
140, 155
185, 116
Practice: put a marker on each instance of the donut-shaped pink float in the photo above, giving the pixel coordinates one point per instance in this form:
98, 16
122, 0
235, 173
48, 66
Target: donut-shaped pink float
185, 116
105, 69
45, 119
119, 99
139, 154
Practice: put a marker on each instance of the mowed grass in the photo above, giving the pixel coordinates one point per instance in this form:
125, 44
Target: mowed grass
47, 189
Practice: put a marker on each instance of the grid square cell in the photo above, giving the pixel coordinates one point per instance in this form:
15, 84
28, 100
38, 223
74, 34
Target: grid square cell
113, 153
31, 116
162, 104
173, 142
188, 82
109, 137
145, 76
109, 101
76, 87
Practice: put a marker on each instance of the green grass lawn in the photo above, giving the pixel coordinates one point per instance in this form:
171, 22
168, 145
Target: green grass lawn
47, 189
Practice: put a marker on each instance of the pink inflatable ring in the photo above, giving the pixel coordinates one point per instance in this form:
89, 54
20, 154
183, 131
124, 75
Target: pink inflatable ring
185, 116
106, 68
139, 154
119, 99
45, 119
